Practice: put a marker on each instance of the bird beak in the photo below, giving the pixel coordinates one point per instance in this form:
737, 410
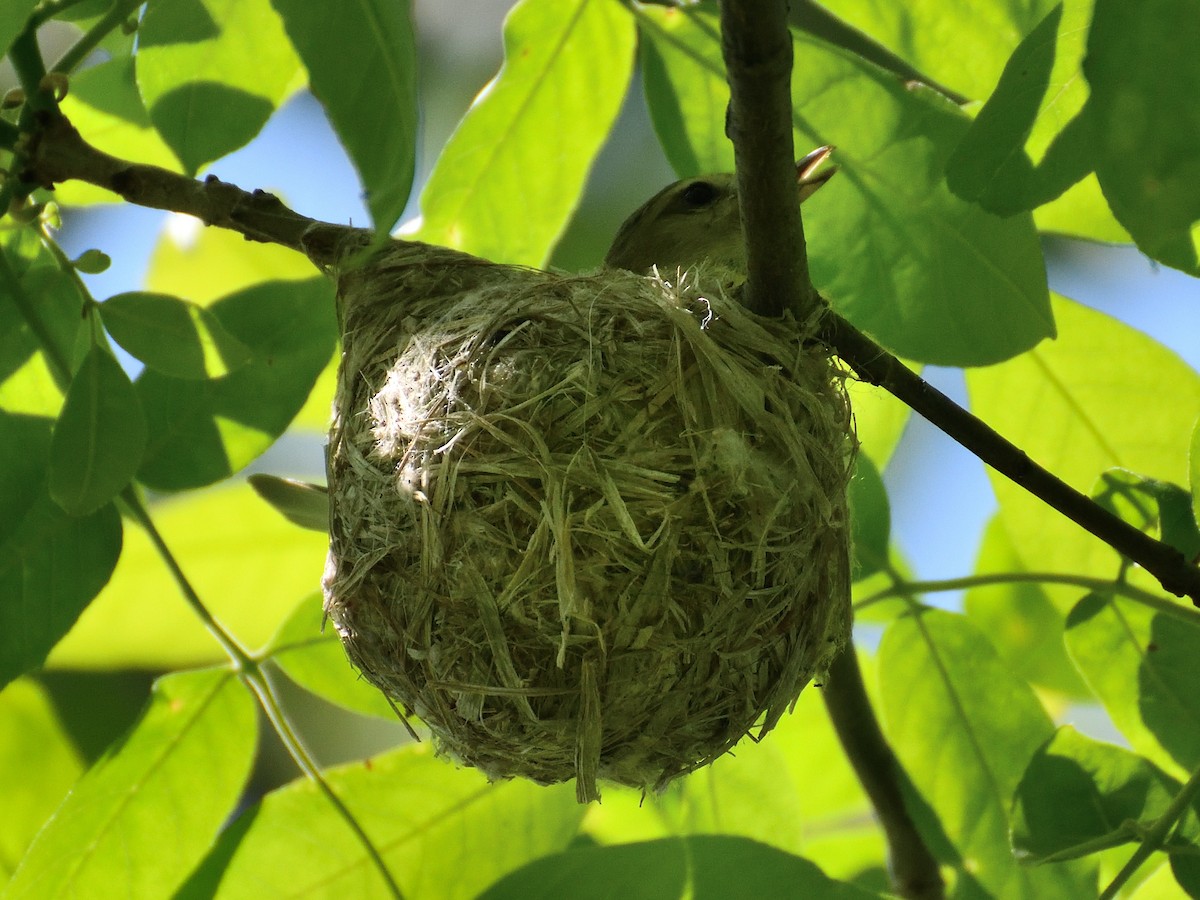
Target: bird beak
808, 178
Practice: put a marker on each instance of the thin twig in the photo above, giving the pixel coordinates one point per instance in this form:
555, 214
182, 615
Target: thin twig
1156, 836
903, 588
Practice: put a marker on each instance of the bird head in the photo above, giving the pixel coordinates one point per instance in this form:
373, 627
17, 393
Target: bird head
698, 219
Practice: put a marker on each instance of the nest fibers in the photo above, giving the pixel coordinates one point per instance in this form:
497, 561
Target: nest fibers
583, 526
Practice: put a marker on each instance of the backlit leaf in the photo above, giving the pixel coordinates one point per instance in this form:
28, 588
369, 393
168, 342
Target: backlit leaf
712, 867
38, 764
211, 72
172, 336
1141, 664
512, 173
203, 431
444, 832
935, 279
248, 563
361, 61
1100, 396
143, 816
965, 728
307, 649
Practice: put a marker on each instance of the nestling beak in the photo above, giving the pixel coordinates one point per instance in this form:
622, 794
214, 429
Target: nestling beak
807, 175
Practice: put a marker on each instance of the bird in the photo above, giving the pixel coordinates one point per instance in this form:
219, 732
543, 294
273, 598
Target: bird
696, 220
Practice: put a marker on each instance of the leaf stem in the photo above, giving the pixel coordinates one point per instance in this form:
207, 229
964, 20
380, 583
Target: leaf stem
1156, 835
250, 672
901, 587
81, 49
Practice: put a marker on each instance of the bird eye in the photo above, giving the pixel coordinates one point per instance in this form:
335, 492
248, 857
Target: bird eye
698, 194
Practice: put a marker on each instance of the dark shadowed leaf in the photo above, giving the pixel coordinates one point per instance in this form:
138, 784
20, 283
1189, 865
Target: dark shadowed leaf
965, 728
142, 817
512, 173
300, 502
99, 437
991, 165
1078, 795
203, 431
211, 72
172, 336
870, 519
1143, 65
1142, 666
936, 279
51, 563
13, 14
361, 61
708, 867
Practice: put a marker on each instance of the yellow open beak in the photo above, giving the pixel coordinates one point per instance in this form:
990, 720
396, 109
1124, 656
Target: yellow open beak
809, 173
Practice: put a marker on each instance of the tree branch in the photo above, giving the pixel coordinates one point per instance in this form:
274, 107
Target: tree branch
914, 871
757, 47
57, 152
875, 365
758, 58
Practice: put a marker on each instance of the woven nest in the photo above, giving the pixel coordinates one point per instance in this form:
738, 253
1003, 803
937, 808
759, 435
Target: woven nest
589, 527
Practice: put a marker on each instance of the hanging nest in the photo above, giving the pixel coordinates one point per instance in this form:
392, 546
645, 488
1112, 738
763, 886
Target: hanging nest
582, 526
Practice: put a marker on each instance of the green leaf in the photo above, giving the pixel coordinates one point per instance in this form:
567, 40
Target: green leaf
965, 727
879, 419
207, 264
144, 815
99, 437
444, 832
991, 165
300, 502
172, 336
1150, 504
1019, 619
13, 14
1143, 65
211, 72
1194, 471
203, 431
963, 46
1078, 794
308, 651
512, 173
936, 279
870, 519
1142, 666
716, 867
38, 764
248, 563
105, 106
51, 564
1100, 396
361, 62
